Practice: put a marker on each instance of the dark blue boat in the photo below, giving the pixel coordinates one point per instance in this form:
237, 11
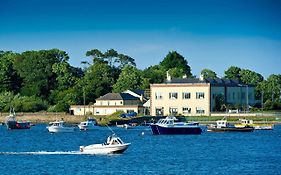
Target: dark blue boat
169, 126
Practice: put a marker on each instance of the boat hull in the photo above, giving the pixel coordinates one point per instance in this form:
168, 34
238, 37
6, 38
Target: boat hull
60, 129
230, 129
17, 125
104, 149
257, 126
172, 130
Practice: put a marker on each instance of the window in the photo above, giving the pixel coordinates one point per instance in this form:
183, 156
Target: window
200, 95
186, 95
173, 110
186, 110
173, 95
200, 110
159, 111
158, 96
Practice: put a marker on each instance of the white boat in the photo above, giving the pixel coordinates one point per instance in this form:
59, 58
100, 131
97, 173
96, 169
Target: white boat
112, 145
59, 126
90, 124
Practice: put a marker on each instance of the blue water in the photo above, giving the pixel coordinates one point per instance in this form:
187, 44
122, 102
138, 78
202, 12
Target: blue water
36, 151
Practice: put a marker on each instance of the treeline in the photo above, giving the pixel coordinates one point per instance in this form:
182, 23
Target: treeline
45, 81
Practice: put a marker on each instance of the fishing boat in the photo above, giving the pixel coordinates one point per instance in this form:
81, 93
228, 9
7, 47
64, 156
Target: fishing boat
223, 126
259, 126
113, 145
59, 126
169, 126
12, 123
90, 124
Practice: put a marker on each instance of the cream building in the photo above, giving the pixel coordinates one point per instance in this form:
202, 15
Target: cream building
128, 101
195, 96
113, 102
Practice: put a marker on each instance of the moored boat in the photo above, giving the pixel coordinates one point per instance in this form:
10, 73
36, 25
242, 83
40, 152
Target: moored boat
223, 126
259, 126
90, 124
113, 145
12, 123
59, 126
169, 126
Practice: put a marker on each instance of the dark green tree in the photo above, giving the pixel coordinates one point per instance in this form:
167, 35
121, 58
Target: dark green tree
250, 77
130, 78
233, 73
36, 70
10, 80
175, 60
96, 82
154, 74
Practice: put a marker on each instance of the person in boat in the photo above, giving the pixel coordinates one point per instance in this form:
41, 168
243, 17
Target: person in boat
108, 140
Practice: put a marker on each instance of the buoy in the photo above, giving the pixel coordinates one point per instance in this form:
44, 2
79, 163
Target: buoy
142, 133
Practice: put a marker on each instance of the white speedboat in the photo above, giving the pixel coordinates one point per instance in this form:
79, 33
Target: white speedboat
113, 145
59, 126
90, 124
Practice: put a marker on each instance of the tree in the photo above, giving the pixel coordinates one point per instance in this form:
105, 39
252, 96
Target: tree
111, 57
36, 70
207, 73
175, 60
233, 73
10, 81
154, 74
96, 82
250, 77
6, 101
130, 78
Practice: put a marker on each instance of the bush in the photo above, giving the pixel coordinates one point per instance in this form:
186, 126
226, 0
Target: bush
28, 104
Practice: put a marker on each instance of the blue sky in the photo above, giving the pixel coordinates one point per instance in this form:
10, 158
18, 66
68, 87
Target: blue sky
209, 34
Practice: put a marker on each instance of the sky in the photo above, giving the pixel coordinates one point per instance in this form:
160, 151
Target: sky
212, 34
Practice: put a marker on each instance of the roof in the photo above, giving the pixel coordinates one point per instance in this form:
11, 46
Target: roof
117, 96
214, 82
138, 91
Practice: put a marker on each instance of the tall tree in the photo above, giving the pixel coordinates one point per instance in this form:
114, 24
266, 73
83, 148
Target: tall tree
36, 70
10, 80
175, 60
233, 73
250, 77
154, 74
96, 82
130, 78
207, 73
111, 57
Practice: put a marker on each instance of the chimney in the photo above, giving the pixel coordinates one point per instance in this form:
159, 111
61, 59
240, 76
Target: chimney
169, 78
201, 78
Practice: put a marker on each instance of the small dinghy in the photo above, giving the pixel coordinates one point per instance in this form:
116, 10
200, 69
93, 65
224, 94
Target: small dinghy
113, 145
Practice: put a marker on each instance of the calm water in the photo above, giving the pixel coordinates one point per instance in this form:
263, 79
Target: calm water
210, 153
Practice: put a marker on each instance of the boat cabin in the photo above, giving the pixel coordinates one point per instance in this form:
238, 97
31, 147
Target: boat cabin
246, 122
113, 140
57, 123
221, 123
167, 121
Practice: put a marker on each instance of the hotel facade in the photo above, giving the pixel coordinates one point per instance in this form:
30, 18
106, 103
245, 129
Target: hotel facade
197, 96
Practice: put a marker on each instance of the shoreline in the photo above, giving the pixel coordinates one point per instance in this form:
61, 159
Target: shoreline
75, 119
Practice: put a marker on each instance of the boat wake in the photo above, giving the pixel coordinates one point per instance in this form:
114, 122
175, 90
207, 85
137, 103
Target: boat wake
43, 153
